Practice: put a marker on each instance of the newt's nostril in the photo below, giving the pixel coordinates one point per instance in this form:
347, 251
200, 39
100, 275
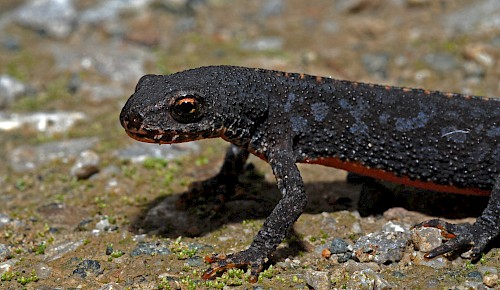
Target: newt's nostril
131, 119
134, 120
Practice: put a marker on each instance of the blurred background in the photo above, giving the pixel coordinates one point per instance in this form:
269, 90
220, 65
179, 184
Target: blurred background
68, 66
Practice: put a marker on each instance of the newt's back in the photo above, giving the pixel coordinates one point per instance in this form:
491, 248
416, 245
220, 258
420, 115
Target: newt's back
430, 137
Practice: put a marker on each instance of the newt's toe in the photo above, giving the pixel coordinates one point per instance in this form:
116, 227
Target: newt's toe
470, 238
220, 263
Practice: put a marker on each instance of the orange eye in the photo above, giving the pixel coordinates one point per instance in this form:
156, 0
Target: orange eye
187, 109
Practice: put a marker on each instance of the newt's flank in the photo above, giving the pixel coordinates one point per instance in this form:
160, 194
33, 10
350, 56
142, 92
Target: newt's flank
427, 139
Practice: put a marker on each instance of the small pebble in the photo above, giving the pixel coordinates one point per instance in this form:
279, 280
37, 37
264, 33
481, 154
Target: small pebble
490, 280
111, 286
317, 280
338, 246
87, 267
344, 258
475, 276
43, 270
109, 250
479, 54
4, 252
326, 253
10, 90
426, 238
143, 248
86, 165
381, 247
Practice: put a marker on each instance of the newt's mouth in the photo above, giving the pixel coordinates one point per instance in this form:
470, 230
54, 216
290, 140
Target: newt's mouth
154, 136
166, 137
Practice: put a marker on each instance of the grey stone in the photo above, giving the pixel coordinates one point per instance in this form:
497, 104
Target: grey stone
338, 246
10, 90
105, 225
426, 238
108, 61
138, 152
440, 262
58, 251
474, 276
27, 157
264, 44
484, 270
55, 17
7, 265
88, 267
317, 280
272, 8
111, 286
10, 43
100, 92
110, 10
381, 247
4, 220
43, 270
441, 62
344, 258
195, 262
49, 123
490, 280
86, 165
4, 252
480, 16
157, 248
376, 64
368, 279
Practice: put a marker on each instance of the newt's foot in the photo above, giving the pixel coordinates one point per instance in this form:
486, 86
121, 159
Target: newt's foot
248, 258
463, 237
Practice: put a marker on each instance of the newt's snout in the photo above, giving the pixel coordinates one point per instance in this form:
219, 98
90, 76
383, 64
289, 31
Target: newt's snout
133, 122
130, 118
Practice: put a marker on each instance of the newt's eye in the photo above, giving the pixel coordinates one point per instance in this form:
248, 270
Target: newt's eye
187, 109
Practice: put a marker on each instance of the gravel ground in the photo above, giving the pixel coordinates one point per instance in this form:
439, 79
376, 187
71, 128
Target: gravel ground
82, 206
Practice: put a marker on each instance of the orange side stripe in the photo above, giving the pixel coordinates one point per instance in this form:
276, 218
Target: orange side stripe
389, 176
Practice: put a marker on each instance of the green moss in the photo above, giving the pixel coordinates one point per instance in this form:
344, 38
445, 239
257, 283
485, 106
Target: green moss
20, 65
130, 172
202, 160
155, 163
469, 265
40, 249
21, 184
117, 254
267, 273
163, 284
189, 282
182, 250
8, 276
25, 280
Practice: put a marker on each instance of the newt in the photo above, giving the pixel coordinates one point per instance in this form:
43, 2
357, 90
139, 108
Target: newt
427, 139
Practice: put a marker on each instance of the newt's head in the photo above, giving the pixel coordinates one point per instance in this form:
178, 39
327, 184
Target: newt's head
186, 106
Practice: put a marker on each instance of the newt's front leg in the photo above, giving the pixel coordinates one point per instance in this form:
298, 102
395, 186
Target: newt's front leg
277, 224
221, 185
473, 237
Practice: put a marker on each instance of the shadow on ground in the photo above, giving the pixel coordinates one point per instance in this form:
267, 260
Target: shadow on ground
255, 198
